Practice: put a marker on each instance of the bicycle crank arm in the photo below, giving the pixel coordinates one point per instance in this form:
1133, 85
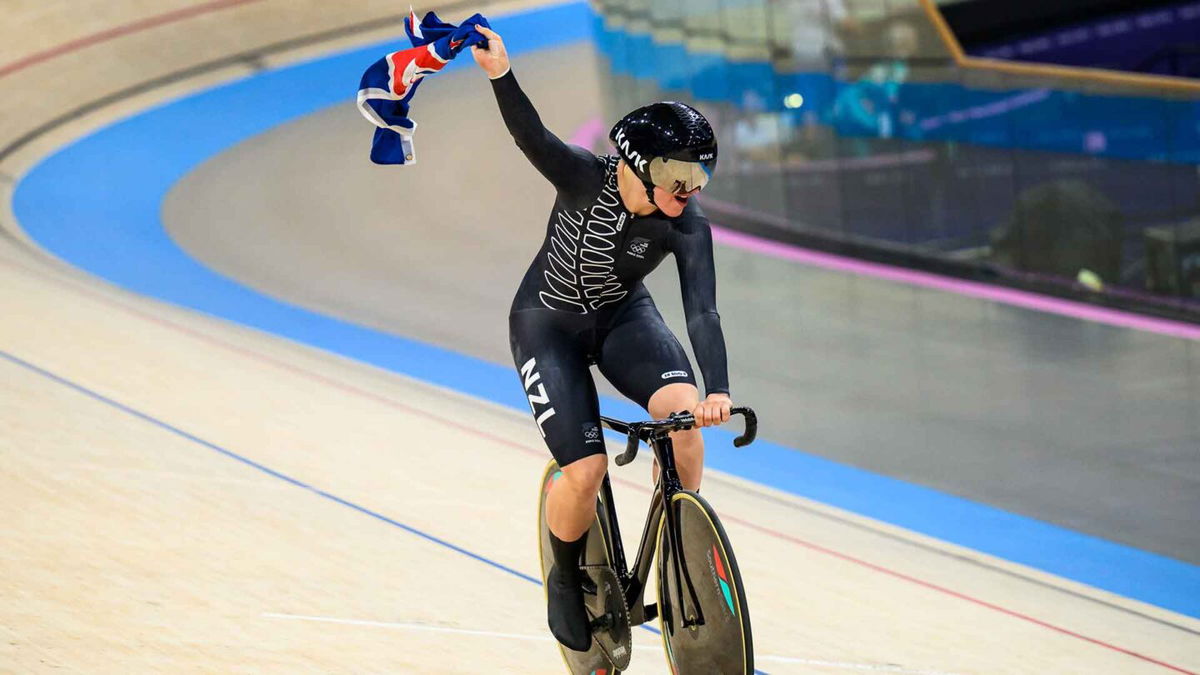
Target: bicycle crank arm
649, 613
602, 622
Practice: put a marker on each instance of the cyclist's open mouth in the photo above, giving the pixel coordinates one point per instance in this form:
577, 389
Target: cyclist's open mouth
682, 199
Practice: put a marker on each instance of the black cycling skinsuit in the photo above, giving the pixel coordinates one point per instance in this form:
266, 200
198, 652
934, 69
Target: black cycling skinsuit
582, 301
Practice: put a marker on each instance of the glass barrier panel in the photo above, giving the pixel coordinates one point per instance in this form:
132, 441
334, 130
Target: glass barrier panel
850, 125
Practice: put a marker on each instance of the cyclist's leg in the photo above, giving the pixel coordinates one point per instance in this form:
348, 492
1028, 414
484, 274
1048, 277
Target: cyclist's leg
554, 372
689, 445
645, 361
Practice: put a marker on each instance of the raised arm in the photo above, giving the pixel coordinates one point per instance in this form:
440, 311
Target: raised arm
569, 168
693, 248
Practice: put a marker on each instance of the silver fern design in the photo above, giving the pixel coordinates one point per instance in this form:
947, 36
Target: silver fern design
579, 276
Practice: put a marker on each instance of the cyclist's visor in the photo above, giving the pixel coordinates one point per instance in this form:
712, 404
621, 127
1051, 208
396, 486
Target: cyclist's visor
681, 176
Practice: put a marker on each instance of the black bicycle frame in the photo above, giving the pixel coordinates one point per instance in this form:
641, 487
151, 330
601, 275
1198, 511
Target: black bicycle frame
634, 583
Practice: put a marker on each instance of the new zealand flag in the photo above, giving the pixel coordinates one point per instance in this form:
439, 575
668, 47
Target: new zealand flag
389, 84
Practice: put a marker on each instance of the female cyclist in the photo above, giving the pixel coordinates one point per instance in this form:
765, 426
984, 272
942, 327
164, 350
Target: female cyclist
582, 302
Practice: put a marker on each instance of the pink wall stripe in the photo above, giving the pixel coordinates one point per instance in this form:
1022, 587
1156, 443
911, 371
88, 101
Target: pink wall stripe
1008, 296
587, 133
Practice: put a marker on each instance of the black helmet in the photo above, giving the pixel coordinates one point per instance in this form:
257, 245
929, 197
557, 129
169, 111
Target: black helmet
667, 144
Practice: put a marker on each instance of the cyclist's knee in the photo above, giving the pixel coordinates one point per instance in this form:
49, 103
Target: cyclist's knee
688, 441
673, 398
587, 473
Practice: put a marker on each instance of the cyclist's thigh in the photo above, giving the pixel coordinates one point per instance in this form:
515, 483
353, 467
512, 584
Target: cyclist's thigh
640, 355
554, 372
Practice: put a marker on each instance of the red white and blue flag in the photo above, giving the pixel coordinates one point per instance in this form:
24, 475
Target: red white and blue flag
388, 86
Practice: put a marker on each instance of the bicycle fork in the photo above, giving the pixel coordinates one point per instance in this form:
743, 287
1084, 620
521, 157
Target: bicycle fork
670, 484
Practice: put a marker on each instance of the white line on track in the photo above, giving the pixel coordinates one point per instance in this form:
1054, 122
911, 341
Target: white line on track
407, 626
840, 665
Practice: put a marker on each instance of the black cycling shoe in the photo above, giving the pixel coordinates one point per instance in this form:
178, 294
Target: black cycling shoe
567, 617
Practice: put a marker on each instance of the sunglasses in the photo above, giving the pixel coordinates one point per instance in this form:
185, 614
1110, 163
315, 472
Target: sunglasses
680, 176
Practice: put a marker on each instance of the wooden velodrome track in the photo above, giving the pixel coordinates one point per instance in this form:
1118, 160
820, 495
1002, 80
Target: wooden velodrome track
179, 493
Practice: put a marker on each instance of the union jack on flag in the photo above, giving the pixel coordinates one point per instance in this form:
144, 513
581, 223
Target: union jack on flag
388, 86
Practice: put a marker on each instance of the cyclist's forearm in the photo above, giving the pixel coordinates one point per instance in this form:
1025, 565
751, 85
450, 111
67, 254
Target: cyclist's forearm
698, 281
708, 342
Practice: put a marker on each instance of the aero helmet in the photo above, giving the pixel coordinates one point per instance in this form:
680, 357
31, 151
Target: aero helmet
667, 144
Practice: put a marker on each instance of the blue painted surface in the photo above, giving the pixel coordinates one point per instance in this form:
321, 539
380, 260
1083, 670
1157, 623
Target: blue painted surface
96, 204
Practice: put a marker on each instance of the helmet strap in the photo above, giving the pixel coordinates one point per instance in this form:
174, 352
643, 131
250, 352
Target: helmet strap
650, 192
645, 183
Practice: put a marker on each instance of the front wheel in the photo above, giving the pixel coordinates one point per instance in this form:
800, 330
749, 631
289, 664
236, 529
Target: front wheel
722, 644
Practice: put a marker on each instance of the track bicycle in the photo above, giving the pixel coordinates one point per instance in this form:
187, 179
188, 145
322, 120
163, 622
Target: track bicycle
701, 603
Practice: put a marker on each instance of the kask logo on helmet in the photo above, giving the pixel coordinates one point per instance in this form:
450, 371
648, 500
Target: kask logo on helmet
631, 155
